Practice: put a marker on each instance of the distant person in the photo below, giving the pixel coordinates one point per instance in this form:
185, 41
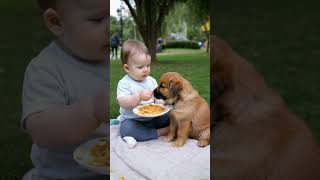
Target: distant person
115, 42
202, 44
65, 89
159, 44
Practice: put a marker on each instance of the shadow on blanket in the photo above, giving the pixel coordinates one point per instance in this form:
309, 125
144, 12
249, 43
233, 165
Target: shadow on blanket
255, 136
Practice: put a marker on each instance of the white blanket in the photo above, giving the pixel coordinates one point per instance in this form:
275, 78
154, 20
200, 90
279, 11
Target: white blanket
158, 160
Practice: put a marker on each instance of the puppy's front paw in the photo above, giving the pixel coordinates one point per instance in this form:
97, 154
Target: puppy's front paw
169, 138
178, 143
202, 143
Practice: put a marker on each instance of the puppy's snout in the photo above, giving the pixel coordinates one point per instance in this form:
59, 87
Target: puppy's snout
157, 94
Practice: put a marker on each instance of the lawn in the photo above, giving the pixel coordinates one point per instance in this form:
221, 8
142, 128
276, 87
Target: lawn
194, 65
281, 38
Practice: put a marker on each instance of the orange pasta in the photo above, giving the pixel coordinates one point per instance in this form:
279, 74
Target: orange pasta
100, 154
151, 109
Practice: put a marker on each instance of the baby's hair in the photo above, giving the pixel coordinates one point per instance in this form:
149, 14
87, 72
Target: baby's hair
132, 47
46, 4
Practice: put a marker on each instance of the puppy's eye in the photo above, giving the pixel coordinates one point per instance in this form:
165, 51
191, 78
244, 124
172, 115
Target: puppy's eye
162, 86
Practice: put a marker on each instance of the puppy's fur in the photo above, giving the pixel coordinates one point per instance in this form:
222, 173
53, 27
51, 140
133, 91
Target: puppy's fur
255, 136
190, 116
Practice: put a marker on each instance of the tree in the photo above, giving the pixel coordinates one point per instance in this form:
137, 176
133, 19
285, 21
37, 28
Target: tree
206, 29
200, 10
114, 25
181, 14
128, 27
176, 21
149, 16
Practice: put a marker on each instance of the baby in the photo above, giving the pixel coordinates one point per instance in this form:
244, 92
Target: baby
65, 88
136, 88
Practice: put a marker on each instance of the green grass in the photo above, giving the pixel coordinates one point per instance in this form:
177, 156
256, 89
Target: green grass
283, 42
194, 65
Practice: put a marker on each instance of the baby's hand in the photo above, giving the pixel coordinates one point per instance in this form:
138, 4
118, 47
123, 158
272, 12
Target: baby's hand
145, 95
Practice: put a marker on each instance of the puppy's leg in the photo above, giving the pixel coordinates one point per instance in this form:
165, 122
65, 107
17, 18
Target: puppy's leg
204, 138
182, 133
172, 130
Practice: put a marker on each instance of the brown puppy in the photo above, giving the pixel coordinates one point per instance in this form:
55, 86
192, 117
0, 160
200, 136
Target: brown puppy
255, 136
190, 115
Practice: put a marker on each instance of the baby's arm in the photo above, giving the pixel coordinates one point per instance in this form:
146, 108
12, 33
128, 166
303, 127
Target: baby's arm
68, 124
131, 101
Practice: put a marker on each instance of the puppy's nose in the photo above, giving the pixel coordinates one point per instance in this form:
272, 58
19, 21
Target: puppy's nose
157, 94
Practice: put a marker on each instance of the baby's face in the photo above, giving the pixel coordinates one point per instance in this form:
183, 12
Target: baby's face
138, 67
85, 30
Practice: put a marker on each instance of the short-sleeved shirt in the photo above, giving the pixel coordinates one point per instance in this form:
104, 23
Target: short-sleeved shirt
56, 78
128, 86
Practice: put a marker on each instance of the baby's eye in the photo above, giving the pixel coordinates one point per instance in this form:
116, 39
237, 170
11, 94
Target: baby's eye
97, 19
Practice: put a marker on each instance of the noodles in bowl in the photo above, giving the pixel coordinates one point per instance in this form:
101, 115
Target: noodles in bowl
151, 110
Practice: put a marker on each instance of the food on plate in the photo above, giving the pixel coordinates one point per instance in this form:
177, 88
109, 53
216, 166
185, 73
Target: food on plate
151, 109
100, 153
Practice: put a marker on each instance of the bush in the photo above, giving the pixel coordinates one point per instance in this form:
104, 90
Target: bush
181, 44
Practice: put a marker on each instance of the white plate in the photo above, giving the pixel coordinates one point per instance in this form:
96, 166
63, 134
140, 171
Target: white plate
136, 110
82, 156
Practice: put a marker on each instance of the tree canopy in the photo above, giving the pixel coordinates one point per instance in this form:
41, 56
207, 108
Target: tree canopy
149, 17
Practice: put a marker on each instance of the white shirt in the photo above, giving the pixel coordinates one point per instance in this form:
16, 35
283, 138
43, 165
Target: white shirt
55, 78
128, 86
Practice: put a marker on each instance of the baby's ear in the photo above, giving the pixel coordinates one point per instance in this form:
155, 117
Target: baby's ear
53, 22
126, 67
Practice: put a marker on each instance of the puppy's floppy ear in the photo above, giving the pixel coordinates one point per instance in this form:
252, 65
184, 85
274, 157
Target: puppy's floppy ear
175, 86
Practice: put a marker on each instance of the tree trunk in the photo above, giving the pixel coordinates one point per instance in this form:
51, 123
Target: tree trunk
149, 17
150, 37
